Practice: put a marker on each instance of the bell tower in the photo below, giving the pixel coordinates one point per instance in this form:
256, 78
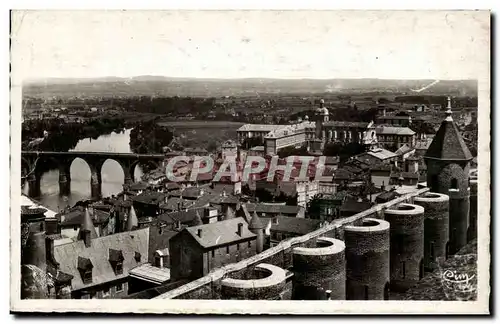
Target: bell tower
448, 163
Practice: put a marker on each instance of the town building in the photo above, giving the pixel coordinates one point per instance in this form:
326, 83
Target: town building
196, 250
284, 227
376, 156
395, 137
100, 265
399, 121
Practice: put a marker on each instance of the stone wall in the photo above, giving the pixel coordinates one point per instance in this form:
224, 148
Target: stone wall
209, 287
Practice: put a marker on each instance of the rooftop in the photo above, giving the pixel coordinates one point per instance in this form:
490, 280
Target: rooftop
98, 255
294, 225
335, 123
272, 208
390, 130
151, 273
448, 143
220, 233
381, 153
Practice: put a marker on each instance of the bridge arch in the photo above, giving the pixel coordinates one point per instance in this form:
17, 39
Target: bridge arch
114, 172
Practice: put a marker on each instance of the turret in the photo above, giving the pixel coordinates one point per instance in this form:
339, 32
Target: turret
257, 227
132, 221
448, 162
87, 229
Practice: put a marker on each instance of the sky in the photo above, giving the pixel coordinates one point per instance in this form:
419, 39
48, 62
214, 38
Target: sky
240, 44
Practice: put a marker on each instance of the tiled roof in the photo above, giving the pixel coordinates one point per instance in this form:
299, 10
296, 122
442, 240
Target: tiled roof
224, 199
151, 273
406, 175
220, 233
381, 153
448, 144
173, 203
98, 254
27, 210
394, 117
272, 208
335, 123
189, 217
294, 225
387, 195
139, 186
150, 197
404, 149
390, 130
342, 174
76, 215
351, 205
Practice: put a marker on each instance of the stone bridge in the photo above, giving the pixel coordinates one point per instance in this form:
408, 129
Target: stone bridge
34, 164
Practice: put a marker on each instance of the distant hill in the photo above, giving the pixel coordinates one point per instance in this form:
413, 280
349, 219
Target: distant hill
167, 86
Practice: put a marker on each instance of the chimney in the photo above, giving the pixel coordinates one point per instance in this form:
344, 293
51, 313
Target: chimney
240, 229
49, 251
199, 232
86, 237
51, 226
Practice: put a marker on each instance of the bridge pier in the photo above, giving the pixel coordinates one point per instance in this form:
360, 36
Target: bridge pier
96, 184
64, 182
128, 175
34, 185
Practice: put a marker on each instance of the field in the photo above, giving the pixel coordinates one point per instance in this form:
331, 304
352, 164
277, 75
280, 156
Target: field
204, 134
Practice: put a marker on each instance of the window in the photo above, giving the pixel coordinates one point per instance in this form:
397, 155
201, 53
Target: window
87, 276
119, 288
238, 246
119, 268
249, 244
454, 184
105, 292
227, 249
137, 257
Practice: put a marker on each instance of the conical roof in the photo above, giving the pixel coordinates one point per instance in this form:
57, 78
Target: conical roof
87, 225
132, 221
255, 222
448, 144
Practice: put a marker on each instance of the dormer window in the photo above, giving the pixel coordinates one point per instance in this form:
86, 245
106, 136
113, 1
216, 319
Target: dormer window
116, 260
85, 267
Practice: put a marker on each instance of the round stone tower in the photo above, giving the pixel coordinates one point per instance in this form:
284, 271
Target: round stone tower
407, 245
367, 260
319, 269
256, 226
264, 282
448, 162
472, 233
436, 227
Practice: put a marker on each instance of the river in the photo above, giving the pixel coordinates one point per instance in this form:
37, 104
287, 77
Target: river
112, 174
